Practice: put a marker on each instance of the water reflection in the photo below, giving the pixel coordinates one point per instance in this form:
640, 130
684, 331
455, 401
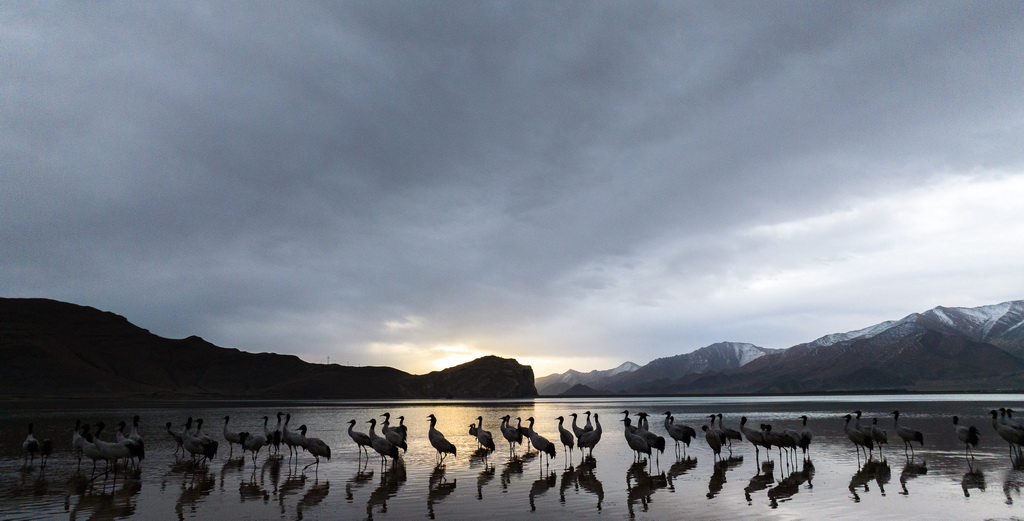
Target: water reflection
790, 485
974, 479
313, 497
873, 470
293, 484
582, 477
718, 480
362, 477
641, 485
910, 471
761, 481
100, 505
194, 489
540, 486
679, 468
251, 490
390, 481
1012, 484
438, 488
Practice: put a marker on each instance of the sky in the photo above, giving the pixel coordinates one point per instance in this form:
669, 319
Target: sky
572, 184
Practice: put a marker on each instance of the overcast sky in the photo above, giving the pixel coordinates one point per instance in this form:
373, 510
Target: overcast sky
415, 184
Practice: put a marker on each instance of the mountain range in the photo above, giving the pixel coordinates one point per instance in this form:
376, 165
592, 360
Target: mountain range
54, 349
945, 348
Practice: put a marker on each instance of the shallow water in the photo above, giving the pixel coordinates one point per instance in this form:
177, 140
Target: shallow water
830, 483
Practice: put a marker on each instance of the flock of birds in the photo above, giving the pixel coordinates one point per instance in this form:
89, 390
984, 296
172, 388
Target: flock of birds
128, 446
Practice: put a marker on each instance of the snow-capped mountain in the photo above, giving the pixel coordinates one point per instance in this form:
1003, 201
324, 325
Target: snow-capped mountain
945, 348
558, 383
1001, 325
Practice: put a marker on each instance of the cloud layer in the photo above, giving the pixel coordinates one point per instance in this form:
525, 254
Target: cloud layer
394, 183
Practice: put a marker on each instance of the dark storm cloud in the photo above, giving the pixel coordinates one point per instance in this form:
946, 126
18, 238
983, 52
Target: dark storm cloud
296, 178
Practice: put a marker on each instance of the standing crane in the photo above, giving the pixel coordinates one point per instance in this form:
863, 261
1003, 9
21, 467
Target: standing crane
858, 437
510, 433
879, 436
315, 446
568, 440
678, 432
714, 440
540, 442
232, 438
30, 446
590, 439
361, 439
907, 434
636, 442
805, 436
967, 435
755, 437
483, 437
440, 443
381, 445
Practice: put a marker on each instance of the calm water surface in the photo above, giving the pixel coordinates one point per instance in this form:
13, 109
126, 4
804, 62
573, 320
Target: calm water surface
831, 483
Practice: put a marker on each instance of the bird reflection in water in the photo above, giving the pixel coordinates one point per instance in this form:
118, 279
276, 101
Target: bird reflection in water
718, 480
873, 470
640, 486
313, 497
514, 467
293, 484
229, 465
251, 490
1012, 484
790, 485
117, 504
761, 481
582, 476
679, 468
390, 481
910, 471
193, 491
438, 488
973, 479
540, 486
363, 476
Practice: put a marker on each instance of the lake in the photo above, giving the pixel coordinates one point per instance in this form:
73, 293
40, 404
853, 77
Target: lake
939, 483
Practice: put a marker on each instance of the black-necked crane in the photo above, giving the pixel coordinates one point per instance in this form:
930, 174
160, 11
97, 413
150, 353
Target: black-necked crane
567, 438
729, 433
780, 439
636, 442
176, 437
89, 449
540, 442
136, 449
291, 439
714, 440
858, 437
45, 449
805, 436
525, 433
393, 435
361, 439
274, 436
484, 437
906, 434
111, 452
678, 432
966, 434
315, 446
590, 439
879, 436
654, 441
253, 443
30, 446
231, 437
78, 442
1009, 433
439, 442
197, 443
587, 427
865, 429
576, 429
510, 433
381, 445
755, 437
